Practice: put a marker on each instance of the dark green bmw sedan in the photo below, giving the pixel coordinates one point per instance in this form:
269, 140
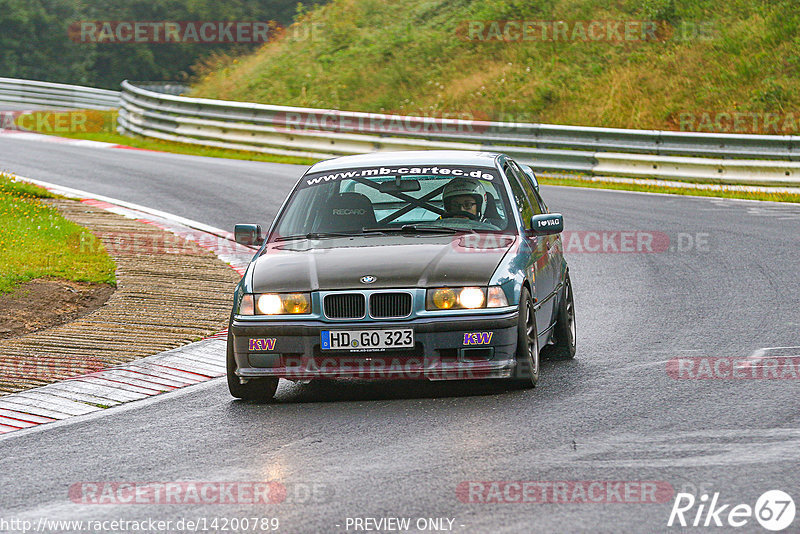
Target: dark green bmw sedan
435, 265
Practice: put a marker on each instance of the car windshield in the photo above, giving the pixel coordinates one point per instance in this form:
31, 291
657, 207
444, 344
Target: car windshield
396, 199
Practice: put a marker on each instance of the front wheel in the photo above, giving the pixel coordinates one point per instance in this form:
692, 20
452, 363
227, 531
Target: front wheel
565, 329
526, 370
256, 389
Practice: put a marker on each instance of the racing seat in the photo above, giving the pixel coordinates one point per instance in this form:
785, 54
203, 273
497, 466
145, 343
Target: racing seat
347, 212
490, 213
491, 208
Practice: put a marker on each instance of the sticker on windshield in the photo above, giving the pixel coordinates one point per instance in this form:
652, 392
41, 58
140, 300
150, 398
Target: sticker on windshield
481, 173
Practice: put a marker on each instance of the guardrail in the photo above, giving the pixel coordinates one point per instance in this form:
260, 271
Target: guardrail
56, 95
319, 133
157, 109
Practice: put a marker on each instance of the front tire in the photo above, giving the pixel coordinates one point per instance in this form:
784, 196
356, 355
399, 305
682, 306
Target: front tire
256, 389
565, 329
526, 370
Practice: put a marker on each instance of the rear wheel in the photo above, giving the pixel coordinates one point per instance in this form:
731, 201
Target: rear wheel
256, 389
526, 370
564, 330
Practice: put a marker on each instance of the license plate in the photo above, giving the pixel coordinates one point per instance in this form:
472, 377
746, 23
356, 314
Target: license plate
398, 338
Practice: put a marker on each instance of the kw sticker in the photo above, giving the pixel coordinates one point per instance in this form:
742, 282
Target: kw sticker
477, 338
262, 344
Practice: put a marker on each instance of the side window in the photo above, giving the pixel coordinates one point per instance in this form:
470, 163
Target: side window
545, 209
527, 185
521, 200
538, 197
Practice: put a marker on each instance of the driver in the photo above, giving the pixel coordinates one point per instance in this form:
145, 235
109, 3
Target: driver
464, 198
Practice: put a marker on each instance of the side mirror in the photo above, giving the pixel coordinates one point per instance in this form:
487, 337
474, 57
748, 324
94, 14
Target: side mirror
248, 234
529, 171
547, 223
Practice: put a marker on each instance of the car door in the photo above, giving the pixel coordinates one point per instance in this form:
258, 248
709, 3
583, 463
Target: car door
538, 269
552, 243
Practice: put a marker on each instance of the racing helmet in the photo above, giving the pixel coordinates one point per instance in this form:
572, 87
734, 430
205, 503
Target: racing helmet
465, 186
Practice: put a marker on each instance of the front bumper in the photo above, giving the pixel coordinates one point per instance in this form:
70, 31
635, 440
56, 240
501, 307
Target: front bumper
444, 349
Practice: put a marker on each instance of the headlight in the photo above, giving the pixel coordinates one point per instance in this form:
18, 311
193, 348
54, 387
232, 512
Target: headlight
269, 304
443, 299
472, 297
465, 298
455, 298
275, 304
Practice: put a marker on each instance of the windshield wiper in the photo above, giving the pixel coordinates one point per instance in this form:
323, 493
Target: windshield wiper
314, 235
417, 229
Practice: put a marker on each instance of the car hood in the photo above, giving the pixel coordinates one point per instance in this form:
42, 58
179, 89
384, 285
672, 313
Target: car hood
394, 260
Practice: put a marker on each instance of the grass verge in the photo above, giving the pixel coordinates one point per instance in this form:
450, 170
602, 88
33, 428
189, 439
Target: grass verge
36, 241
652, 188
192, 150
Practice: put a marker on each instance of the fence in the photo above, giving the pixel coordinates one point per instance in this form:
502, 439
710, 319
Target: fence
157, 110
284, 130
56, 95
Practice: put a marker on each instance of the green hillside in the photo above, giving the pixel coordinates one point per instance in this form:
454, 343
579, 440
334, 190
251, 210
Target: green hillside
418, 57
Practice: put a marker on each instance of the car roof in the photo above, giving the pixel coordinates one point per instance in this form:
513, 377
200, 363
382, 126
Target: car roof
409, 157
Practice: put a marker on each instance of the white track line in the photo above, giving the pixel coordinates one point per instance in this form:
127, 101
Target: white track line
78, 194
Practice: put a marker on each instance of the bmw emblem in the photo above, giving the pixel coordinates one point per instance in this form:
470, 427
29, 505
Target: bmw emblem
369, 279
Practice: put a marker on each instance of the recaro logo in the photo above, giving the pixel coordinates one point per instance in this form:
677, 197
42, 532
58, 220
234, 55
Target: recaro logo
348, 211
774, 510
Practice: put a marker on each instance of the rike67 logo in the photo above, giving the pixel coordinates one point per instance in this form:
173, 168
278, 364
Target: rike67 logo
774, 510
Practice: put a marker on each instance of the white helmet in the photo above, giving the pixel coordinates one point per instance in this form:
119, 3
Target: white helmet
465, 186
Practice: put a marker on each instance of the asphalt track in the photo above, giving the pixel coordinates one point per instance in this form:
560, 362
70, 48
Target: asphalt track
401, 449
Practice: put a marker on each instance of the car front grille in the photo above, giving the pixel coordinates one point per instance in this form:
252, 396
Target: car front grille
345, 306
389, 305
